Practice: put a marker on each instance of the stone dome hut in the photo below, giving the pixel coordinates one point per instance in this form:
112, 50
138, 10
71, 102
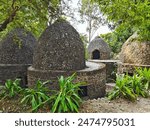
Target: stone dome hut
60, 51
134, 54
99, 49
16, 54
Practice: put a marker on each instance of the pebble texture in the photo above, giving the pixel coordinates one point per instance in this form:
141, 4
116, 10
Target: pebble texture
13, 71
135, 52
129, 68
17, 47
111, 68
94, 75
16, 55
59, 48
100, 45
60, 52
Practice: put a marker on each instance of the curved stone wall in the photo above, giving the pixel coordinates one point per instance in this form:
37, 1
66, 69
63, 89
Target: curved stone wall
13, 71
94, 75
129, 68
16, 55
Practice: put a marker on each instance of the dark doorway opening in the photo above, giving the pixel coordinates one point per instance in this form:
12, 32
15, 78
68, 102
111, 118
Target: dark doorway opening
23, 81
83, 91
96, 54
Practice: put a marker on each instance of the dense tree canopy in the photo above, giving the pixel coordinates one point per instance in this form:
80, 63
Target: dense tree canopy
30, 14
116, 38
133, 13
34, 15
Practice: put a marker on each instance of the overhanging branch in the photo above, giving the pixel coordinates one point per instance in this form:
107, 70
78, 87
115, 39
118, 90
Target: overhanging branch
10, 17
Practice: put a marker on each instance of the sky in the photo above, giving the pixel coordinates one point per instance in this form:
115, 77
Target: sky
81, 28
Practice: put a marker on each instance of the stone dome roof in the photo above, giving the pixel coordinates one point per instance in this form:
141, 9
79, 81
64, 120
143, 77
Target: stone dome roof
59, 48
135, 52
17, 47
99, 45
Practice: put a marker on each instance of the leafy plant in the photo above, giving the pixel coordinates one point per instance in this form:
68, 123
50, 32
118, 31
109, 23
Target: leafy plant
128, 13
137, 85
122, 89
67, 98
145, 75
132, 86
36, 95
11, 88
116, 38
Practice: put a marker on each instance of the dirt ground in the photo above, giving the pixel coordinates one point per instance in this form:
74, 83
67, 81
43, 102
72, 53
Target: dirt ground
103, 105
100, 105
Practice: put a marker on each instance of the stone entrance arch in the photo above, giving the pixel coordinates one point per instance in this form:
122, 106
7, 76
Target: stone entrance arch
96, 54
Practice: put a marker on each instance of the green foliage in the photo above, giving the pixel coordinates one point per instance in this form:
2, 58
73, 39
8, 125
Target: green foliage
11, 88
67, 98
36, 96
64, 100
137, 85
90, 14
118, 37
134, 13
33, 15
131, 87
145, 76
17, 41
122, 89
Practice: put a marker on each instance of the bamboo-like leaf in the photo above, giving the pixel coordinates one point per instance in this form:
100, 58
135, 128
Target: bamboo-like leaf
25, 99
70, 103
54, 108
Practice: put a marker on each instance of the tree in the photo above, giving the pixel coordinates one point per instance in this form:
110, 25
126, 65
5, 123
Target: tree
116, 38
33, 15
29, 14
134, 13
90, 14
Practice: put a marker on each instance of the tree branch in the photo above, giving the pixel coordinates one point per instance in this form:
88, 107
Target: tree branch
10, 17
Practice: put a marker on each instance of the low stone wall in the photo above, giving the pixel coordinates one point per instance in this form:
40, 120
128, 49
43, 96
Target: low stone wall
129, 68
111, 68
94, 75
13, 71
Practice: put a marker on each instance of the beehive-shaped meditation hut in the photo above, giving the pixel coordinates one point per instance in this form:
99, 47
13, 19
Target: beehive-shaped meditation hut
60, 51
100, 52
134, 53
16, 54
98, 49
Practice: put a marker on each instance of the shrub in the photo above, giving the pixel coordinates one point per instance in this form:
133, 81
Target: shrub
145, 75
67, 98
36, 95
137, 85
11, 88
132, 86
122, 89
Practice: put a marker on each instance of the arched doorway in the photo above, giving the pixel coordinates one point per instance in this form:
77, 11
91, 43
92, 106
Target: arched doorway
96, 54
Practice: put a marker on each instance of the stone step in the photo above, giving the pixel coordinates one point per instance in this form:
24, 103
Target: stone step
110, 85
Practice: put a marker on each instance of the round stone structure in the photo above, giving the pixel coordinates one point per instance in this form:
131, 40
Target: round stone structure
60, 51
99, 49
16, 54
134, 54
111, 69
